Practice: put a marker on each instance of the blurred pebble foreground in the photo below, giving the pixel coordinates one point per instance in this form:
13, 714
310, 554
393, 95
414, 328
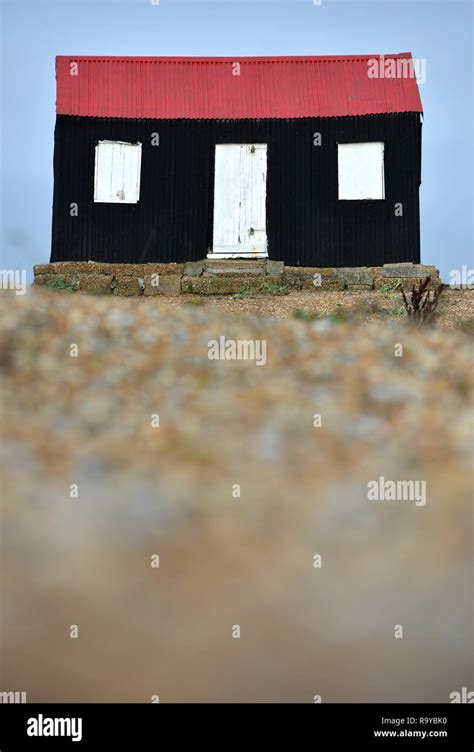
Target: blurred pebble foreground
226, 561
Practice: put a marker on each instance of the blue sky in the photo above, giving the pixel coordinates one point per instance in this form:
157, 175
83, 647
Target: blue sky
34, 33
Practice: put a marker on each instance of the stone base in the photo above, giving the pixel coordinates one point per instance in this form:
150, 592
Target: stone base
220, 285
163, 284
220, 277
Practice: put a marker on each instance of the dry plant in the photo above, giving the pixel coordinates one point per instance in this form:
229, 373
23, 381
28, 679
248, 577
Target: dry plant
422, 303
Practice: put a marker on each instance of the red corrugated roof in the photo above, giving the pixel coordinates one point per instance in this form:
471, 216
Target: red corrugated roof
267, 87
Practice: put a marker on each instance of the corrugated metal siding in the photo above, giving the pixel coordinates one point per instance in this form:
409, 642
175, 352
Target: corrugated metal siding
306, 223
206, 87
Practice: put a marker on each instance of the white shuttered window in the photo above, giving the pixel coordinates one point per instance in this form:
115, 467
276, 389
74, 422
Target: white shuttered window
361, 171
117, 172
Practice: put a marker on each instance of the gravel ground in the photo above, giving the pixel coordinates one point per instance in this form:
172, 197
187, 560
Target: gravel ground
455, 310
227, 559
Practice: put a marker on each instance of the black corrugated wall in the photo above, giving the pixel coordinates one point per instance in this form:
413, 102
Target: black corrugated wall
306, 223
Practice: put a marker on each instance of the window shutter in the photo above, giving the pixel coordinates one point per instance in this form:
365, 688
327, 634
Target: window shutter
361, 171
117, 172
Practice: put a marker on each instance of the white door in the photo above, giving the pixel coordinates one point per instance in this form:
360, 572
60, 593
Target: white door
240, 190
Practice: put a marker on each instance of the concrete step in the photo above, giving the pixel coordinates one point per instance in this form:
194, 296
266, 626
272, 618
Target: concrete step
236, 262
234, 266
227, 271
220, 284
